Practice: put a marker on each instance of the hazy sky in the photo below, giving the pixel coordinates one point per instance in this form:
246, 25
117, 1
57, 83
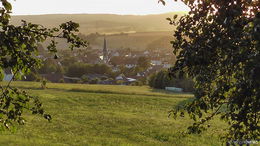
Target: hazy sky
141, 7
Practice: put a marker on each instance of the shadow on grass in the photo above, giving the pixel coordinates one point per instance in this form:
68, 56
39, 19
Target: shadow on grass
38, 88
92, 91
168, 93
122, 93
182, 103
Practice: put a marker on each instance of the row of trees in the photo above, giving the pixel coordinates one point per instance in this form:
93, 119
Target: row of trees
76, 69
162, 79
80, 69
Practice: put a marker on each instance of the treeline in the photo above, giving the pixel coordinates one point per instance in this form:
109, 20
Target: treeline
74, 69
161, 79
80, 69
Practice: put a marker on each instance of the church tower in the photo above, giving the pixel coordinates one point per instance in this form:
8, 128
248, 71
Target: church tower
105, 51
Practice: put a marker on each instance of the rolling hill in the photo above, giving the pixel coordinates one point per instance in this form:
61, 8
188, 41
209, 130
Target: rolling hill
140, 31
103, 23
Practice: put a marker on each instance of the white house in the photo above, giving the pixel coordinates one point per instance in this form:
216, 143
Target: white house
120, 77
131, 79
156, 62
130, 65
167, 65
115, 54
146, 52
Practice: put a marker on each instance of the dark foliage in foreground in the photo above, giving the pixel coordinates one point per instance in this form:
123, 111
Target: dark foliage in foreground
218, 45
18, 53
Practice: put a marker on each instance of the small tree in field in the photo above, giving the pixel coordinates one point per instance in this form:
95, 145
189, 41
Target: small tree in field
18, 51
218, 45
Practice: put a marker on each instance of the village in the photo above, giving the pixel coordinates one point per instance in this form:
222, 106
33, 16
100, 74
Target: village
109, 66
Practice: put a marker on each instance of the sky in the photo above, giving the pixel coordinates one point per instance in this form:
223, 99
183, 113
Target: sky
132, 7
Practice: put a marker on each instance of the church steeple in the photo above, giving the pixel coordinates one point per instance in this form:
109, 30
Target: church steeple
105, 52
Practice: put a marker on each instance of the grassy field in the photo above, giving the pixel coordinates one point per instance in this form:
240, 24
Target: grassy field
106, 115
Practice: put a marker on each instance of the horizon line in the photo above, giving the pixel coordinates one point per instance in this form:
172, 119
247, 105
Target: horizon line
97, 14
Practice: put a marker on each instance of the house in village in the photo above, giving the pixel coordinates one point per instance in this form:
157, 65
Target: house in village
130, 65
124, 80
115, 54
167, 65
156, 62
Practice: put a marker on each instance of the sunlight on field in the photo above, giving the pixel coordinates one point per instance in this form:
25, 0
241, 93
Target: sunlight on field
106, 115
112, 89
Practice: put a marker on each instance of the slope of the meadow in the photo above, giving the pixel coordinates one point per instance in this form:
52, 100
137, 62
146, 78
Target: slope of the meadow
106, 115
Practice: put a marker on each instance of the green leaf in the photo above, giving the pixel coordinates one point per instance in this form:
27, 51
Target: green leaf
1, 74
7, 5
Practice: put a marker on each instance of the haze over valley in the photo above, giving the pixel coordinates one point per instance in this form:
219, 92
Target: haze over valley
122, 31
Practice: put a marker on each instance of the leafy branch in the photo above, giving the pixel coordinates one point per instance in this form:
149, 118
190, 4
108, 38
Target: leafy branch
19, 53
217, 44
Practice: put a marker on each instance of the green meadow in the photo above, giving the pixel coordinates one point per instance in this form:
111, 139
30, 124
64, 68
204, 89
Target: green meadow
107, 115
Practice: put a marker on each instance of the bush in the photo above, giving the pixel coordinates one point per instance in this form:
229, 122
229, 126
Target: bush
94, 81
160, 80
49, 66
44, 84
119, 82
137, 83
85, 79
61, 81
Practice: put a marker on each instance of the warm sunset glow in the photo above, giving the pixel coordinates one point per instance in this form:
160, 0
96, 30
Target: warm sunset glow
138, 7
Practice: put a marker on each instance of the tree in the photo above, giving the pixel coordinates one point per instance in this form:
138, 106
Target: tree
48, 66
116, 60
77, 69
18, 51
218, 45
32, 76
143, 62
101, 69
67, 61
161, 79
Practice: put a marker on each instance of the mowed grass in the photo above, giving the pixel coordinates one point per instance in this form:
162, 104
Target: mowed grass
107, 115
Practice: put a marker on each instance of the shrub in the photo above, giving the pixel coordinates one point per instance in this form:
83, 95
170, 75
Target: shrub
137, 83
85, 79
61, 81
44, 84
94, 81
